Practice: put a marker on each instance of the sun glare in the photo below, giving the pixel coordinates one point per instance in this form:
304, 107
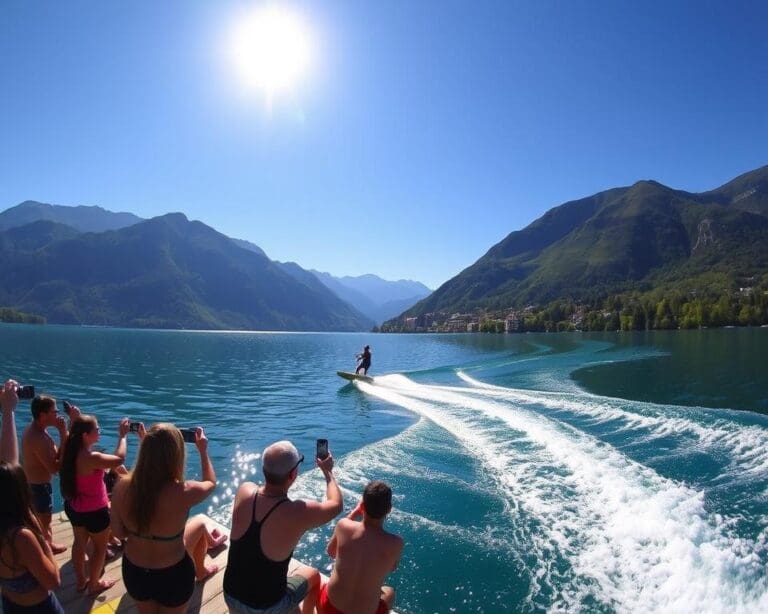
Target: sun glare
271, 49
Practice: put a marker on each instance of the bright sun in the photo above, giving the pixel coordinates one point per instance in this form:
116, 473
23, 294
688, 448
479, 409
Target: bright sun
271, 49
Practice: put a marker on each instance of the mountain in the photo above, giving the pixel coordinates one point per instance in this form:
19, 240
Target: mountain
377, 298
249, 246
84, 219
166, 272
639, 237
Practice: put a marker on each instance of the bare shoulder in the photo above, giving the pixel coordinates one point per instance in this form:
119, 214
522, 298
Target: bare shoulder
25, 540
395, 541
345, 525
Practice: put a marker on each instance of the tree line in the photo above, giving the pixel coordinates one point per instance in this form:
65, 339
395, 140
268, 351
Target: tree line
653, 311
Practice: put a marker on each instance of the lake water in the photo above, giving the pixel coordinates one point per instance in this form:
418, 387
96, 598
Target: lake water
522, 481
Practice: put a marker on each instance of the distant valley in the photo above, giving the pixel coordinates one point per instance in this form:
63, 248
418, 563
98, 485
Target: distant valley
87, 265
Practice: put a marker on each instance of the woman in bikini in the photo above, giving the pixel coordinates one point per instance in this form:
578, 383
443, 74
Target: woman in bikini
85, 497
28, 572
164, 552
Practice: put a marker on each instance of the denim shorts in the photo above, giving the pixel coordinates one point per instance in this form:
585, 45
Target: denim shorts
42, 498
295, 591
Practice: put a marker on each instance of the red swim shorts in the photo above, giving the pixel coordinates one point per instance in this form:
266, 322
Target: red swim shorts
324, 605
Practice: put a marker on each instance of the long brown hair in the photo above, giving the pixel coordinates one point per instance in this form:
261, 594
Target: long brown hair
68, 469
161, 461
15, 507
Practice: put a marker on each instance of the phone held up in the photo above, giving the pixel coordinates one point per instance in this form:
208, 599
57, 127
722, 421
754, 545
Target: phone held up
322, 449
25, 392
67, 406
188, 434
133, 427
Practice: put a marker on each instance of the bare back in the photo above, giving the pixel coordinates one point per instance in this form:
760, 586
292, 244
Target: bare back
364, 558
163, 544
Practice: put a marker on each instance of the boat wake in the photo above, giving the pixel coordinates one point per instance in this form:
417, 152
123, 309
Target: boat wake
591, 526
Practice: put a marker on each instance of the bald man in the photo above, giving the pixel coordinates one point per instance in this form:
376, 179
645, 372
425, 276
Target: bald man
266, 526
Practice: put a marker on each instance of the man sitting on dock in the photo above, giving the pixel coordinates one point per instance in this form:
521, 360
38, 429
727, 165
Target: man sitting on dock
256, 576
365, 554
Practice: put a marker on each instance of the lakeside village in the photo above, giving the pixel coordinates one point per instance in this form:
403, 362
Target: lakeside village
745, 306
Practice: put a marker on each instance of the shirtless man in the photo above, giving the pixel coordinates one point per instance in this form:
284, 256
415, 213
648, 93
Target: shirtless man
365, 554
266, 526
41, 459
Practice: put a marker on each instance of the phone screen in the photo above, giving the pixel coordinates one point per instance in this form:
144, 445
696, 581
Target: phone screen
189, 434
134, 427
322, 448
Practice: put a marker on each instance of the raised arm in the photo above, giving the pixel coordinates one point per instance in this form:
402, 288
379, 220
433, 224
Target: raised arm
317, 513
198, 491
112, 461
9, 444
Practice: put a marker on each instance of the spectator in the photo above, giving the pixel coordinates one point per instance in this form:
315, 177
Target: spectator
164, 552
266, 526
365, 554
85, 497
28, 572
41, 459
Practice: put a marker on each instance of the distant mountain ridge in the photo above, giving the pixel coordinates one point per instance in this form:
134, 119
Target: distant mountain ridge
80, 217
377, 298
166, 272
642, 236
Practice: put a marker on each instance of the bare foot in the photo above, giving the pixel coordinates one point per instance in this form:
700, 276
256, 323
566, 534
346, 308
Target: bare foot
216, 539
101, 586
58, 548
209, 571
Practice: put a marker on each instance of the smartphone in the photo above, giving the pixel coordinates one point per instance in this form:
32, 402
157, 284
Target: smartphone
189, 434
133, 427
67, 406
322, 449
25, 392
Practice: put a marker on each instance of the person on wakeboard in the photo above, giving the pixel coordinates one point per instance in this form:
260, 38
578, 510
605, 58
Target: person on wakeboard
364, 360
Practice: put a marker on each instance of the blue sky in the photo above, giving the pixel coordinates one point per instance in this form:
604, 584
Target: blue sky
423, 133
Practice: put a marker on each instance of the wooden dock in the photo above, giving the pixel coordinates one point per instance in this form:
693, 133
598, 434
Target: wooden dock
207, 598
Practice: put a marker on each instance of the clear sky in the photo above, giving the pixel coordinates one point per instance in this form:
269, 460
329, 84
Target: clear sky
419, 134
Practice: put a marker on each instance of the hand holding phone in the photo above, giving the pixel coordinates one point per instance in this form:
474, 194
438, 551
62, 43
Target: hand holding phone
72, 411
25, 392
322, 449
189, 434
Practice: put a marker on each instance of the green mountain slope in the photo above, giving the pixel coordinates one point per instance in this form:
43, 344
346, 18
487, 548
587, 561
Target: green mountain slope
635, 238
165, 272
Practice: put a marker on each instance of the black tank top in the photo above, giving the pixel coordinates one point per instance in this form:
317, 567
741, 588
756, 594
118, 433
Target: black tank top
251, 577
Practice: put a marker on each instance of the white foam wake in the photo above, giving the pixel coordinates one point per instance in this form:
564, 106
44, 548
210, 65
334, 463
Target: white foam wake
747, 446
632, 539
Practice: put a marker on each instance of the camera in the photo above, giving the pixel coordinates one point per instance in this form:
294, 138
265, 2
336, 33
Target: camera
188, 435
322, 449
25, 392
133, 427
67, 406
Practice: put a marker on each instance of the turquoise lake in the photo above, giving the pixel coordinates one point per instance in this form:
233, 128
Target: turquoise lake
568, 472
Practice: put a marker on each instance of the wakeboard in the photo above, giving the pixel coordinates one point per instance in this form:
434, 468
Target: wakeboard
354, 376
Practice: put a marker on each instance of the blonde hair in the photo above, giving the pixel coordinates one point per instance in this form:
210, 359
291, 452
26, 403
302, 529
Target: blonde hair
161, 461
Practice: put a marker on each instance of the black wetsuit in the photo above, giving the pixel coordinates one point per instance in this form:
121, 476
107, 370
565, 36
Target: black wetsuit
365, 362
